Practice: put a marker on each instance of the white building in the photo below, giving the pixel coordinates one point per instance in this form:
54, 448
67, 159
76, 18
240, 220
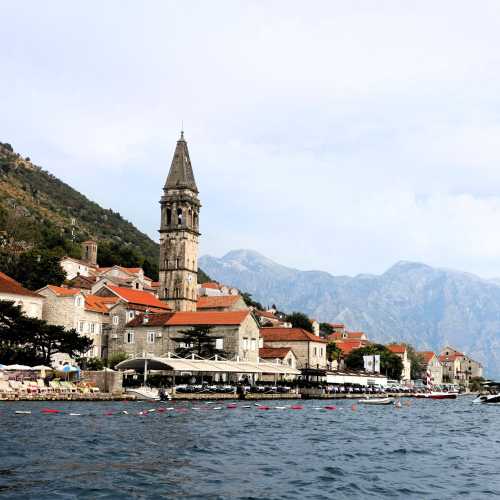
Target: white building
31, 303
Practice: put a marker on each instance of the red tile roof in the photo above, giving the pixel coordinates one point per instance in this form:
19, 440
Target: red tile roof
198, 318
98, 304
397, 348
337, 325
348, 336
217, 301
274, 352
267, 314
427, 356
211, 284
62, 291
346, 346
11, 286
289, 335
138, 297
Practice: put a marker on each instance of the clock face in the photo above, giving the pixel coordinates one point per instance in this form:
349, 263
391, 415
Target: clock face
189, 278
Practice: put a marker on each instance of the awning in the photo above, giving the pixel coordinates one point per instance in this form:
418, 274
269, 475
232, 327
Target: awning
204, 365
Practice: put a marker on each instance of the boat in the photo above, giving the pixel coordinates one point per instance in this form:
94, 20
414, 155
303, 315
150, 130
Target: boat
376, 401
437, 395
144, 393
491, 399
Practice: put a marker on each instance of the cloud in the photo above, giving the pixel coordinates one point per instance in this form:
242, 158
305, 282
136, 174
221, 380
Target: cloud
339, 136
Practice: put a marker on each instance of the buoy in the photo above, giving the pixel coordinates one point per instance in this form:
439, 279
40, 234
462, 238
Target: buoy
354, 407
20, 412
330, 407
231, 406
75, 414
297, 407
280, 407
263, 407
217, 408
108, 414
49, 410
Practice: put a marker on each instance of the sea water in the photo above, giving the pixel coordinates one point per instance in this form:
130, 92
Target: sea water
429, 449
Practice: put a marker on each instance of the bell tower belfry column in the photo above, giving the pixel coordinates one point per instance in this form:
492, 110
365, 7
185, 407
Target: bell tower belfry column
180, 208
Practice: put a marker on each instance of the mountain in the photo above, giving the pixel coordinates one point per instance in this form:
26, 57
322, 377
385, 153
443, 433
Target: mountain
39, 211
410, 302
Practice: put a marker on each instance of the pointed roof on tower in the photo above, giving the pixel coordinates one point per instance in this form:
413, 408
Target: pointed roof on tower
181, 174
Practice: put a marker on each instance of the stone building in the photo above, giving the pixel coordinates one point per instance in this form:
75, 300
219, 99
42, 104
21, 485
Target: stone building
76, 267
179, 232
213, 288
432, 367
70, 308
237, 333
309, 349
89, 252
277, 355
31, 303
124, 305
459, 368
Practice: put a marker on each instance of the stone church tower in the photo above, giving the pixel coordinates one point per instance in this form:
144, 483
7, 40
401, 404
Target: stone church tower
180, 210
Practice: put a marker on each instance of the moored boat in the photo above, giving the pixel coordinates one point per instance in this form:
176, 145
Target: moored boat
144, 393
437, 395
492, 399
376, 401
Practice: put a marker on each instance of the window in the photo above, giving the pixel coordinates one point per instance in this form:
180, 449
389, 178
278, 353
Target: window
115, 320
245, 344
169, 216
81, 325
253, 346
129, 337
179, 216
131, 315
314, 351
151, 337
92, 328
219, 344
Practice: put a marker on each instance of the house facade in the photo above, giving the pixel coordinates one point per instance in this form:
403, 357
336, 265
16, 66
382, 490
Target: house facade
459, 368
221, 303
70, 308
236, 333
309, 349
31, 303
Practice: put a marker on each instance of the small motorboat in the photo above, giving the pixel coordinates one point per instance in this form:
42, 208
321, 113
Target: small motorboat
144, 393
376, 401
437, 395
491, 399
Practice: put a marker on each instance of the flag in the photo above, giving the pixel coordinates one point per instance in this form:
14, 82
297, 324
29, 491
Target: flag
376, 363
368, 362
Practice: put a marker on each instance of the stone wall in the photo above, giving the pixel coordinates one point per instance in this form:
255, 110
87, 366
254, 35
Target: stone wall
107, 380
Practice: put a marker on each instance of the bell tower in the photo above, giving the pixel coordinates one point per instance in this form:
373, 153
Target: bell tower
180, 208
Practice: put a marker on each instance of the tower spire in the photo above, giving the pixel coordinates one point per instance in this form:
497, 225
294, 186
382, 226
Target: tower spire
181, 174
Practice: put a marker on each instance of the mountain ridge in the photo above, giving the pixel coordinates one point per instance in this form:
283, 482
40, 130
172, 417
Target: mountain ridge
411, 301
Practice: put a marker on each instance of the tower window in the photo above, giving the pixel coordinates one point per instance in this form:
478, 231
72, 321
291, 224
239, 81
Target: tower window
166, 292
169, 216
179, 216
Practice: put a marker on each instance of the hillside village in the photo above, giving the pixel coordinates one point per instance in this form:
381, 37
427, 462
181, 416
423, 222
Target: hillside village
129, 314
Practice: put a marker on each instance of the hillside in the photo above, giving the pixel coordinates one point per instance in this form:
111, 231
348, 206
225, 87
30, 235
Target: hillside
412, 302
37, 210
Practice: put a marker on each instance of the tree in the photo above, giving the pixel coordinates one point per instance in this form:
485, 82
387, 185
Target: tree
116, 358
325, 329
476, 384
198, 341
390, 364
250, 302
92, 364
32, 341
299, 320
33, 269
333, 352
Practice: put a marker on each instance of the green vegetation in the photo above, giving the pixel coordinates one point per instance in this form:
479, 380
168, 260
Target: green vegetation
325, 329
117, 358
198, 341
32, 341
250, 302
299, 320
333, 352
390, 363
39, 212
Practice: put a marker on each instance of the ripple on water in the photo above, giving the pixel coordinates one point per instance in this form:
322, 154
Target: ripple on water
245, 453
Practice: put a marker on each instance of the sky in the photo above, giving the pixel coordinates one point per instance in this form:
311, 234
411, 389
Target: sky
340, 136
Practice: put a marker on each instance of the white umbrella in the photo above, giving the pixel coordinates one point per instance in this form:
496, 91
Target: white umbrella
18, 367
41, 367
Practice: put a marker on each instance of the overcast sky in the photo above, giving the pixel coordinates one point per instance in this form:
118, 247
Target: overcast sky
341, 136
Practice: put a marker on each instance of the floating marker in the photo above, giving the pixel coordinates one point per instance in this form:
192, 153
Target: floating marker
330, 407
297, 407
75, 414
20, 412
